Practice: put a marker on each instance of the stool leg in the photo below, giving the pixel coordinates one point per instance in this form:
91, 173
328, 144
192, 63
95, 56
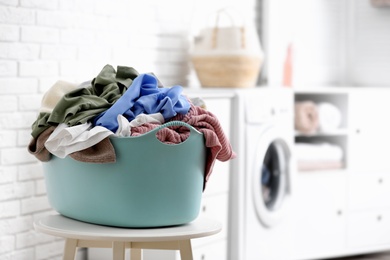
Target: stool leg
135, 254
118, 250
70, 249
185, 250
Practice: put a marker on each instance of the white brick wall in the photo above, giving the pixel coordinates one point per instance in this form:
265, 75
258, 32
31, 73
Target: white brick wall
42, 41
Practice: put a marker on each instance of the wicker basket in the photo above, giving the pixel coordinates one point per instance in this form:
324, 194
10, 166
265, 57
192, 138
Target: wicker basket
232, 71
227, 56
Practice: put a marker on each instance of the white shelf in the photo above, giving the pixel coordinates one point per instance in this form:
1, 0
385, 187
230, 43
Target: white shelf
337, 132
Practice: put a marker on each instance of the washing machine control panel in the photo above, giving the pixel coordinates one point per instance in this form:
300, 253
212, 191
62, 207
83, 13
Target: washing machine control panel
262, 106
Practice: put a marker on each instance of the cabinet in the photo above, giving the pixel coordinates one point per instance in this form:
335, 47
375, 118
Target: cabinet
215, 196
346, 210
320, 216
369, 178
369, 129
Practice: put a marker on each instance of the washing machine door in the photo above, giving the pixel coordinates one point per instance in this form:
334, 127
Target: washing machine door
271, 177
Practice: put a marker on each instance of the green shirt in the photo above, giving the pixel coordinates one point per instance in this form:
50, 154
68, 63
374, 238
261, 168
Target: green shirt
81, 105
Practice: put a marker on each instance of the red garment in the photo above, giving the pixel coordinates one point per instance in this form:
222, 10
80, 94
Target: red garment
218, 145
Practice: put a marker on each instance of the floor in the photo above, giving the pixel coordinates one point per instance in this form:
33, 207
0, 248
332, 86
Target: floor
382, 256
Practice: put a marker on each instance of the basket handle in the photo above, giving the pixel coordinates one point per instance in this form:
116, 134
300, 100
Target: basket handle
216, 28
175, 123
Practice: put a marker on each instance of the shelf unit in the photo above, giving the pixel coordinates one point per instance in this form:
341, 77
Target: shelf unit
337, 136
347, 211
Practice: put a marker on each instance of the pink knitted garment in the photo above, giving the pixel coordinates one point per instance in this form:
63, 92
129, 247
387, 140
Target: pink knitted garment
218, 145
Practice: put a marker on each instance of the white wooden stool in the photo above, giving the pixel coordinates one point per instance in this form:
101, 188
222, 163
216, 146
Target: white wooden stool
81, 234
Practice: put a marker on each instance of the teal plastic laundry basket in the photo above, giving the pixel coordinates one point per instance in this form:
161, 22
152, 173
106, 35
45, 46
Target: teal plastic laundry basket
151, 184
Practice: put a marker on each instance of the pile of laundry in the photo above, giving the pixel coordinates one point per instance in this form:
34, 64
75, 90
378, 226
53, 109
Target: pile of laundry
77, 120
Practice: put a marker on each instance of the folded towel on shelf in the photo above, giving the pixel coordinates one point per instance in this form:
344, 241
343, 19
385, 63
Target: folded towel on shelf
319, 165
318, 156
306, 117
329, 117
318, 152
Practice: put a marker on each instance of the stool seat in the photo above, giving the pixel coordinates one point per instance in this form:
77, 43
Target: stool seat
81, 234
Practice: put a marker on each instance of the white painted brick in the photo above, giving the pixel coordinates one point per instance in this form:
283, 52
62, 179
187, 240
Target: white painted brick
40, 34
171, 69
145, 41
24, 254
7, 244
171, 28
58, 52
17, 120
18, 86
112, 7
24, 137
16, 190
8, 174
77, 36
165, 12
93, 21
127, 56
59, 19
85, 69
121, 40
137, 56
34, 204
31, 238
47, 82
7, 138
29, 102
19, 51
8, 104
12, 156
39, 4
9, 209
95, 53
8, 68
15, 225
38, 68
9, 32
50, 250
40, 187
16, 15
9, 2
173, 42
118, 24
30, 171
87, 6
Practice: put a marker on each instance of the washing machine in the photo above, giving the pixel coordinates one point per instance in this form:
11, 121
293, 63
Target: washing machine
262, 190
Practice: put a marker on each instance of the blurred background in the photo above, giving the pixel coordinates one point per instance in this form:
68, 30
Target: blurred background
335, 42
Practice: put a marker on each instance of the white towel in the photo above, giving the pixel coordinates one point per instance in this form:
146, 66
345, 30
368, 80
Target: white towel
66, 140
329, 117
124, 126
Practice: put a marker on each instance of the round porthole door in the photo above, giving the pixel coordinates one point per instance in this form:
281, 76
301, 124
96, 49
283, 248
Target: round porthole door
271, 177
